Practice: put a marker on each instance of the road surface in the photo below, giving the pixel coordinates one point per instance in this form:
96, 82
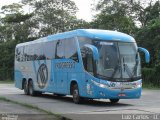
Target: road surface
149, 103
12, 111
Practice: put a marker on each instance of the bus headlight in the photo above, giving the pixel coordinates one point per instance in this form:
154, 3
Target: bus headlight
138, 85
99, 84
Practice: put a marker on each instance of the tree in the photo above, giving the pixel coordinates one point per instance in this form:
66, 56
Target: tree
53, 16
114, 16
138, 10
114, 22
14, 18
143, 13
148, 37
15, 27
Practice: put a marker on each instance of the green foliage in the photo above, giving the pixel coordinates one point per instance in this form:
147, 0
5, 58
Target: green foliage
148, 37
7, 60
114, 22
12, 8
145, 14
151, 77
114, 15
54, 16
16, 18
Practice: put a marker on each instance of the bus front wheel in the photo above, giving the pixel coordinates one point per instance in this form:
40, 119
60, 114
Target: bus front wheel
114, 100
76, 96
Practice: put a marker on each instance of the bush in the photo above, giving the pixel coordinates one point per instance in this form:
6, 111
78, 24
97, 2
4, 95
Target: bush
151, 77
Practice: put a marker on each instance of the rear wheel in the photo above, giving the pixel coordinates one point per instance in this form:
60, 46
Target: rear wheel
31, 88
76, 96
114, 100
25, 87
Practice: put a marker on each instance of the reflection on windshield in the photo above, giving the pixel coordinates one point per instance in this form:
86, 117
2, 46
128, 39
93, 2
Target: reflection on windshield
130, 60
108, 61
119, 61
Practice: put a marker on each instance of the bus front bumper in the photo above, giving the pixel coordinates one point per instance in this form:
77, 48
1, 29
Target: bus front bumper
98, 91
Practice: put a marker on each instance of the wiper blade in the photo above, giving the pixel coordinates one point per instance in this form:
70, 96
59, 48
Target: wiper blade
126, 68
128, 71
103, 76
115, 70
135, 67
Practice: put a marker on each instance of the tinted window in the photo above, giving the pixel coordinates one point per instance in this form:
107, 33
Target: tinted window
60, 49
20, 54
49, 50
83, 41
71, 49
38, 52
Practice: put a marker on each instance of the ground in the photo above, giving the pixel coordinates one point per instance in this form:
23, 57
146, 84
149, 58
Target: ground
149, 103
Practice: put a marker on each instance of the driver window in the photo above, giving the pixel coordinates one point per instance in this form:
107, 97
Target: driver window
87, 58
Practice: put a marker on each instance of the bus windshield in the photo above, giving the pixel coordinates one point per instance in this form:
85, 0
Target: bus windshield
118, 61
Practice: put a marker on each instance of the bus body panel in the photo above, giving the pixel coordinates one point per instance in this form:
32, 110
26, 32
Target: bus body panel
18, 79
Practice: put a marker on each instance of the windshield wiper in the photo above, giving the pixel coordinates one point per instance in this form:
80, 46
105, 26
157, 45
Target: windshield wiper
115, 70
102, 76
135, 67
126, 68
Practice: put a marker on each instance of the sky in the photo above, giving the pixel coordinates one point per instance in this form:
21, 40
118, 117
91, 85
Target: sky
84, 7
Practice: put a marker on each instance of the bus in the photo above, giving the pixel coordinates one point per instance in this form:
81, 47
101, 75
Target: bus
83, 63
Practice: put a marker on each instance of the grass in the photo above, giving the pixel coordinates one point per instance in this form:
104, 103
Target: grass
59, 117
6, 81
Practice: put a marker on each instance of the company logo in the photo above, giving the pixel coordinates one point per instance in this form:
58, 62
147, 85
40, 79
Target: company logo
112, 84
42, 76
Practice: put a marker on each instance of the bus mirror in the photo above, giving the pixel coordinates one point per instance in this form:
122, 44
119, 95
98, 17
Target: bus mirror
145, 51
94, 50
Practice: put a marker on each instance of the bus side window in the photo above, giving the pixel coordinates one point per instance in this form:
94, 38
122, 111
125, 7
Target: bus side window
71, 49
60, 49
39, 52
18, 53
49, 50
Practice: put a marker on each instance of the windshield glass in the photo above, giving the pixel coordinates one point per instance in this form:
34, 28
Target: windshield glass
118, 61
130, 60
108, 64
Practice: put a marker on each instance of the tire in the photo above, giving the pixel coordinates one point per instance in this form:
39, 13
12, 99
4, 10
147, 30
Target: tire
38, 93
114, 100
76, 97
31, 90
25, 87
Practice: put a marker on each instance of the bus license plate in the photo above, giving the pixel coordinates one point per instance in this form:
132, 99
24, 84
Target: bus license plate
122, 95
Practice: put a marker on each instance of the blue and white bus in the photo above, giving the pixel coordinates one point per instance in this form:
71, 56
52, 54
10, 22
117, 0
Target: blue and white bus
84, 63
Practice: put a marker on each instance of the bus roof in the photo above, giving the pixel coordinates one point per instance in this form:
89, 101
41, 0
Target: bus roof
90, 33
